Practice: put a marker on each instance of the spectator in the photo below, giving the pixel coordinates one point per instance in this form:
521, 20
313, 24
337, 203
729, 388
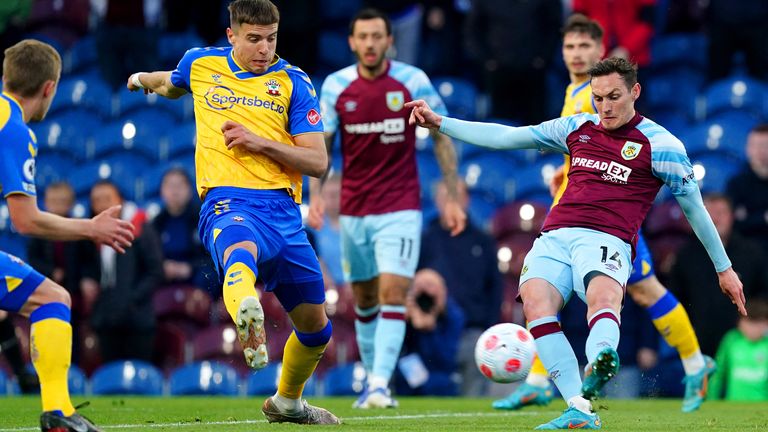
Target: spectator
120, 286
185, 260
627, 26
469, 267
699, 290
126, 37
435, 323
10, 348
737, 26
742, 374
751, 208
513, 43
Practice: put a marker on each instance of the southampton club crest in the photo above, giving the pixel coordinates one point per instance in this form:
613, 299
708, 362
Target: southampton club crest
273, 87
630, 150
395, 100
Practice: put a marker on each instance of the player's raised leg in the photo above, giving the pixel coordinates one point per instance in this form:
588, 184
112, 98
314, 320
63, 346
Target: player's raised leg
47, 305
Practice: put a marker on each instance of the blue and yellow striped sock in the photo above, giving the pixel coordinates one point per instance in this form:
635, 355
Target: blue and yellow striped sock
671, 320
51, 351
301, 354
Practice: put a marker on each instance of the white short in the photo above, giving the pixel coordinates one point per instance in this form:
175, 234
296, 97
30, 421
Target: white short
563, 257
383, 243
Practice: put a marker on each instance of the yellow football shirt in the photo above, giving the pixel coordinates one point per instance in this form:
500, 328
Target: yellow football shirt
277, 105
578, 99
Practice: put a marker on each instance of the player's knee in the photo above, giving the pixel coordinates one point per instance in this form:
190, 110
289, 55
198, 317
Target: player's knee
647, 291
539, 299
366, 296
54, 293
317, 338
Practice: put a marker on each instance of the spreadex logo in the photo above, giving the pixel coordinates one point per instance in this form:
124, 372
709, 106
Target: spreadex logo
223, 98
612, 171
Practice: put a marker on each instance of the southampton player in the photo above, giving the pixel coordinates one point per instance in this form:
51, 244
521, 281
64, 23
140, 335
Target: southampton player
380, 197
31, 72
582, 49
619, 161
258, 130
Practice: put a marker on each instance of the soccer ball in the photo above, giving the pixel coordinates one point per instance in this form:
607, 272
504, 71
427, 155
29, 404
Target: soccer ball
505, 352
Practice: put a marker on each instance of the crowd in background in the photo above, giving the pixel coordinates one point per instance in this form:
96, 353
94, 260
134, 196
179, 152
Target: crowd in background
159, 301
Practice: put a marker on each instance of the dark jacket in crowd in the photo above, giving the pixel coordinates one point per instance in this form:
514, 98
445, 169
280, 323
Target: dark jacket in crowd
749, 195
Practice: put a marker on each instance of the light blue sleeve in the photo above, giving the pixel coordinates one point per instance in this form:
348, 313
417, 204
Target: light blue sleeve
418, 84
17, 165
304, 111
670, 163
550, 135
329, 94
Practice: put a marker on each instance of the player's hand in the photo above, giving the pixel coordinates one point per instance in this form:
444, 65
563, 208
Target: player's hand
732, 287
422, 115
133, 87
110, 230
556, 181
237, 135
316, 215
454, 217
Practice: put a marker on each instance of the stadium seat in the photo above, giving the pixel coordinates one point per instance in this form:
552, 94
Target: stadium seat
263, 382
533, 179
512, 250
727, 134
204, 378
128, 102
170, 346
180, 141
133, 377
89, 93
492, 174
51, 167
217, 343
683, 83
82, 178
666, 218
339, 11
735, 93
459, 95
333, 50
682, 49
482, 206
518, 217
80, 56
172, 47
718, 169
76, 379
182, 304
68, 132
429, 173
345, 380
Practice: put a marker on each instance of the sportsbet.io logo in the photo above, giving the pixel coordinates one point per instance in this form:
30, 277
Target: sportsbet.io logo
223, 98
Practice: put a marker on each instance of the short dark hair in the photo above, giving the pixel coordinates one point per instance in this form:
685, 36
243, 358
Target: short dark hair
757, 309
108, 183
258, 12
28, 65
61, 185
578, 23
369, 14
179, 171
626, 69
760, 128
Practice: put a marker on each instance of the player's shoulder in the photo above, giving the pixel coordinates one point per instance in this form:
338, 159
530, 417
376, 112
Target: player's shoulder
576, 121
343, 77
659, 137
11, 120
196, 53
405, 72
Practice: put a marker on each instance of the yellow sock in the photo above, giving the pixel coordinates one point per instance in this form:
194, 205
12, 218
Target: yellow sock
675, 327
51, 351
538, 368
299, 361
239, 282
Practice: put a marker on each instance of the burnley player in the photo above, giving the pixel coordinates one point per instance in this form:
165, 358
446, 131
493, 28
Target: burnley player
582, 49
380, 212
619, 160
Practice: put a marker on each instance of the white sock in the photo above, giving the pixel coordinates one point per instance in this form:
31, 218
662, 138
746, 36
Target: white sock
375, 381
693, 364
537, 380
581, 404
285, 404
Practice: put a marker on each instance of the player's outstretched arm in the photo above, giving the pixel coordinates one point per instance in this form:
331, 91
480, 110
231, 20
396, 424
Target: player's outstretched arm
445, 153
155, 82
105, 228
495, 136
309, 156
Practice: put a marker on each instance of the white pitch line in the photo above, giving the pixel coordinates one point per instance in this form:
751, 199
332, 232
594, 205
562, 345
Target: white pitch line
239, 422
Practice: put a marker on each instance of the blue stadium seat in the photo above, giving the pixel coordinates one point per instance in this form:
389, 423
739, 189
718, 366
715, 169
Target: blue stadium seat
127, 377
51, 167
333, 50
68, 132
482, 206
459, 95
89, 93
674, 120
718, 169
5, 388
204, 378
76, 379
491, 173
675, 89
727, 133
141, 131
735, 93
83, 177
172, 47
129, 102
345, 380
264, 382
80, 56
180, 141
339, 10
683, 49
533, 180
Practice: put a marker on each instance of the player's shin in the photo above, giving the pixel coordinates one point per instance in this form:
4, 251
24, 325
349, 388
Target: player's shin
603, 333
365, 333
671, 320
390, 333
51, 352
239, 280
300, 357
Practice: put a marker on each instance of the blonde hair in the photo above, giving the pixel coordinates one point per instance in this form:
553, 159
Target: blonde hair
28, 65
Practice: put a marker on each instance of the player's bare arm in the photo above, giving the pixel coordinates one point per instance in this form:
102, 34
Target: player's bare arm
316, 214
309, 156
445, 153
155, 82
105, 228
733, 288
422, 115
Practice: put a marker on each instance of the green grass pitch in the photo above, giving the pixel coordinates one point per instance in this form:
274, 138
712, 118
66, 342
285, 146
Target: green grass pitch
415, 414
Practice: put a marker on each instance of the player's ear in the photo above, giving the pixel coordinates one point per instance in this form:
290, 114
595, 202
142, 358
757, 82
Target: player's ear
49, 88
636, 91
230, 35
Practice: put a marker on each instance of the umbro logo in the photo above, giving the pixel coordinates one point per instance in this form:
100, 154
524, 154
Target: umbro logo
584, 138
